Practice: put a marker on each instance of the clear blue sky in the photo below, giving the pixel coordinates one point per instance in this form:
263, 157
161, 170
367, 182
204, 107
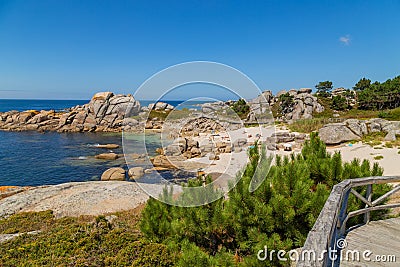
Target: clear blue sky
71, 49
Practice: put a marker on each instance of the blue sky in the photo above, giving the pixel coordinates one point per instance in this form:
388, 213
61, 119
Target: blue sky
72, 49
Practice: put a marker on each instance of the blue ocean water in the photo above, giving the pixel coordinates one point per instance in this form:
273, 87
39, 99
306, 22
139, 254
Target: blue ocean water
59, 105
26, 104
32, 158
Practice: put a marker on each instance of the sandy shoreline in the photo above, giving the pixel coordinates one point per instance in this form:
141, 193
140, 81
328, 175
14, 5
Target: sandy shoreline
390, 161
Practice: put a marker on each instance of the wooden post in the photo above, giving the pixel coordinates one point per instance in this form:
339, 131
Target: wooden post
367, 215
343, 214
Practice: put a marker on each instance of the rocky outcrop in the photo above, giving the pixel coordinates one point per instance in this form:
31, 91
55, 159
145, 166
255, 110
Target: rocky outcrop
302, 106
162, 161
191, 148
336, 133
159, 106
353, 129
113, 174
104, 112
75, 199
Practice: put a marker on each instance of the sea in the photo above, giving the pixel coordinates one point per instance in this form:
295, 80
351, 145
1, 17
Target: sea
34, 159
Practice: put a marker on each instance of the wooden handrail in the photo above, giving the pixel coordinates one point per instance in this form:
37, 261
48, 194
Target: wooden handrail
331, 222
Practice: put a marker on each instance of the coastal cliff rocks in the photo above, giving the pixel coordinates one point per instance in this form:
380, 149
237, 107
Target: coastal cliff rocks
104, 112
353, 129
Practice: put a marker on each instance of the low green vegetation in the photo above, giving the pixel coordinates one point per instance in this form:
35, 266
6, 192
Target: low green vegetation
161, 115
279, 214
379, 157
374, 139
84, 241
391, 114
339, 103
388, 145
307, 125
39, 221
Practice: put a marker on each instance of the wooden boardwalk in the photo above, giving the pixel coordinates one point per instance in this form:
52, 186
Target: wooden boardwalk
382, 238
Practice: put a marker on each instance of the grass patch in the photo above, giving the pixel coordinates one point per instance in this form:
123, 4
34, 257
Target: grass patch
26, 222
161, 115
378, 157
391, 114
359, 114
389, 145
395, 143
373, 139
307, 125
84, 241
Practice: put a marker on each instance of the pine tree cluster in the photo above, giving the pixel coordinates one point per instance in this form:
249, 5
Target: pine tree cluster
279, 214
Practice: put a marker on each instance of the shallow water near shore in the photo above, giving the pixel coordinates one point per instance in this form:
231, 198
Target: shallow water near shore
32, 158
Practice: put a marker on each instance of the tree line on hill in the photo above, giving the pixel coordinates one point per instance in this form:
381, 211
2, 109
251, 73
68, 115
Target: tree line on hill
368, 95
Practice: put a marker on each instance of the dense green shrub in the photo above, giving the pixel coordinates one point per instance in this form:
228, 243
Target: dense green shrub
339, 103
279, 214
241, 108
84, 241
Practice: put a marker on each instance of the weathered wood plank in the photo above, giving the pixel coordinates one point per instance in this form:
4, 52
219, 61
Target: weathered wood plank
325, 231
382, 238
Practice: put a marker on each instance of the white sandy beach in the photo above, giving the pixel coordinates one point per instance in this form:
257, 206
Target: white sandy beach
390, 161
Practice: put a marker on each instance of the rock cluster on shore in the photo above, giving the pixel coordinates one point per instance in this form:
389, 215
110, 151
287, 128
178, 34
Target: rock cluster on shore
304, 104
190, 148
353, 129
105, 112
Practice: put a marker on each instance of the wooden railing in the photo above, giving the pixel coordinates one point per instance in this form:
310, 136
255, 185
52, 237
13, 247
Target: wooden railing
331, 223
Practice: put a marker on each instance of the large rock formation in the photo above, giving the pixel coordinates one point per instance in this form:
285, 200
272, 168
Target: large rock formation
76, 199
302, 105
353, 129
336, 133
105, 112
